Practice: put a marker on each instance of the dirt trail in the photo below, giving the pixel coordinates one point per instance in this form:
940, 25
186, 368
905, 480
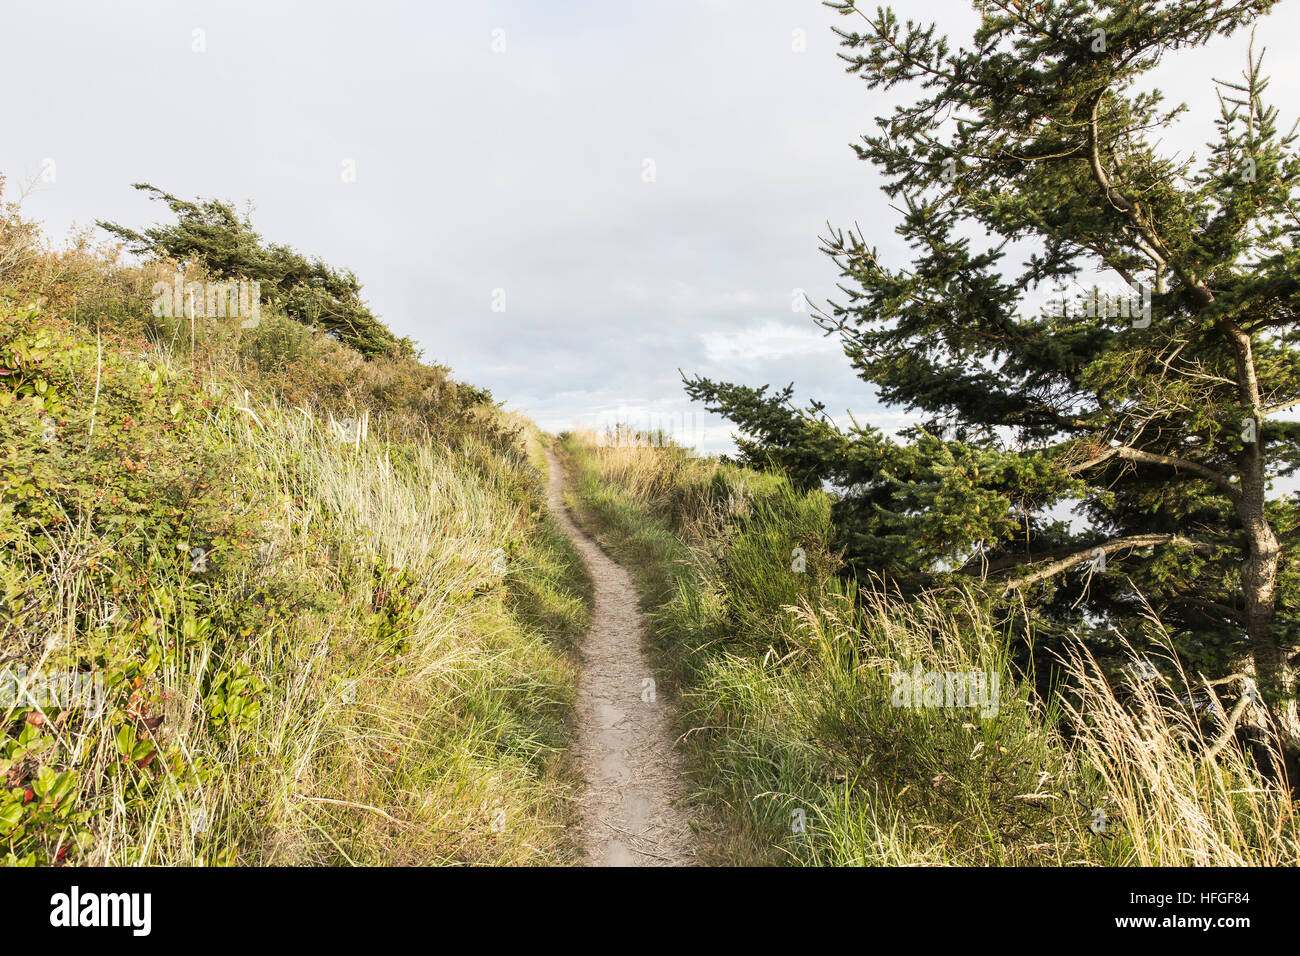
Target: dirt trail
634, 777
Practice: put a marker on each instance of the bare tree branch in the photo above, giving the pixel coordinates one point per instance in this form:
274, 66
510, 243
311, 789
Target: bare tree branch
1151, 458
1052, 568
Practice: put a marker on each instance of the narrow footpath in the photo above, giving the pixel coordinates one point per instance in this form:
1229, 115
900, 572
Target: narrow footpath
630, 808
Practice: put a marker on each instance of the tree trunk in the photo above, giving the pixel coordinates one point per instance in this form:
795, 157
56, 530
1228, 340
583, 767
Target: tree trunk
1273, 672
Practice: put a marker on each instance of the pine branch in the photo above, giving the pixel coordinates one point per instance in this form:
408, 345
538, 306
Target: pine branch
1159, 250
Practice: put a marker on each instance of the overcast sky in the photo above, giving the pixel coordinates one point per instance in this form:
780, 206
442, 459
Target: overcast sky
640, 186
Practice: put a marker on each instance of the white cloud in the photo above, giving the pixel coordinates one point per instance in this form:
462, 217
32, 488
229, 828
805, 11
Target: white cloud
767, 341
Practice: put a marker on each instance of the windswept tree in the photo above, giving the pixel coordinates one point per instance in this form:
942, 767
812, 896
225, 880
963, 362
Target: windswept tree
1027, 162
212, 234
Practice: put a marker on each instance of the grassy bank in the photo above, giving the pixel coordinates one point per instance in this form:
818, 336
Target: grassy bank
328, 611
802, 739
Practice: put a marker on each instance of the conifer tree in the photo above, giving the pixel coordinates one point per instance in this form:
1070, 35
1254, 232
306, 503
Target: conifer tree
211, 233
1147, 401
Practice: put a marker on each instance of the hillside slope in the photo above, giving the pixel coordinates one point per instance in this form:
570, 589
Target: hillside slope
271, 602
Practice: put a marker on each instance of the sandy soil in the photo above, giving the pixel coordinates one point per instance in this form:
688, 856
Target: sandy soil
630, 813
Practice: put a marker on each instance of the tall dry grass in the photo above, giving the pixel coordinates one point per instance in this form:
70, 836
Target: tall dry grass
1177, 781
